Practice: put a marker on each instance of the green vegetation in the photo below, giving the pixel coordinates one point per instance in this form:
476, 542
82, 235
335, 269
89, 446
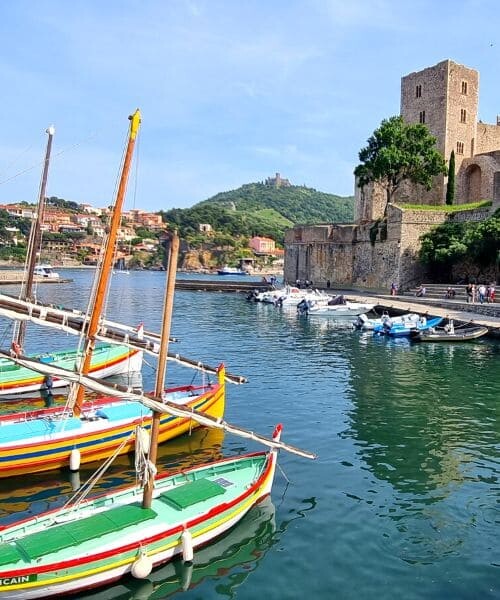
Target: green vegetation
450, 243
259, 209
399, 151
446, 207
450, 188
63, 204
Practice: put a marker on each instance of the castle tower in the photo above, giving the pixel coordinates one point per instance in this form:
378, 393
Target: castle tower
445, 98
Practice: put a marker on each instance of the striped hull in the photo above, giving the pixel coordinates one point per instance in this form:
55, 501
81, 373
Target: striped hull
107, 360
98, 439
106, 558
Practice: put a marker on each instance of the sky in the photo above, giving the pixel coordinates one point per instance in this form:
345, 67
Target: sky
230, 91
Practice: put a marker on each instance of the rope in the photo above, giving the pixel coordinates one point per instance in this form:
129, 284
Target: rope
87, 487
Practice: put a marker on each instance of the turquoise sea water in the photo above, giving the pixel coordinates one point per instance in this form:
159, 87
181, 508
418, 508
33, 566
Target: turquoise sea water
403, 500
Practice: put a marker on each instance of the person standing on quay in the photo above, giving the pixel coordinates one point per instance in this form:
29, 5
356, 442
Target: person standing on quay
394, 289
482, 293
469, 291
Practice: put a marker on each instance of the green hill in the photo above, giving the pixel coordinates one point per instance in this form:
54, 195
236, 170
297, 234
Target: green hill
260, 209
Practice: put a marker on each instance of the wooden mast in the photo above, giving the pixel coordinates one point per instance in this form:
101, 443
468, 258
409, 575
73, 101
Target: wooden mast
35, 236
162, 359
105, 271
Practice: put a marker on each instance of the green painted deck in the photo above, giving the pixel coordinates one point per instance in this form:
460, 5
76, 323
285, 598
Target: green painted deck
192, 493
63, 536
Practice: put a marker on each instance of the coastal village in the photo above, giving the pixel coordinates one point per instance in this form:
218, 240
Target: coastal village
80, 234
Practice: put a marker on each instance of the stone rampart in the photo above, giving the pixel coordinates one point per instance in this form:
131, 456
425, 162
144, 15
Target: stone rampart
367, 255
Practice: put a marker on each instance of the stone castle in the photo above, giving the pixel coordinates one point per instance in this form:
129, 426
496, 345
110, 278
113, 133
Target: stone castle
369, 254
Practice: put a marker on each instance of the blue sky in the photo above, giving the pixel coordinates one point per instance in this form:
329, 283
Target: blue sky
231, 91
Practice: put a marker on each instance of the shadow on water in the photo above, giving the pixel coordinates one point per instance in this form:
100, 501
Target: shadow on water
21, 497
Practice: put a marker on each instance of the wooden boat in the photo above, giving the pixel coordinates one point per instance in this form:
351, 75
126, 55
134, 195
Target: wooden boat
82, 432
450, 333
72, 549
46, 439
92, 542
107, 361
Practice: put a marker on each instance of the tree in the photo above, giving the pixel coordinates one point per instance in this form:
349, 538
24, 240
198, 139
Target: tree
450, 189
399, 151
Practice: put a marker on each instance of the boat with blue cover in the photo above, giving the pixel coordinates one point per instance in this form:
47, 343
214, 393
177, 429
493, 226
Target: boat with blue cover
405, 329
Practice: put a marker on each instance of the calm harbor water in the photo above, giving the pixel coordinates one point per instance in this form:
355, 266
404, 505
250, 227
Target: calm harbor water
404, 497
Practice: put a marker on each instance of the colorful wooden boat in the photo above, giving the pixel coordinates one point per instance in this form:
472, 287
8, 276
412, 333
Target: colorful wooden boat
46, 439
107, 360
69, 550
93, 542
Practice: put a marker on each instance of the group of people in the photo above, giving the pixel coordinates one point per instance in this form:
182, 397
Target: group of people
304, 284
480, 293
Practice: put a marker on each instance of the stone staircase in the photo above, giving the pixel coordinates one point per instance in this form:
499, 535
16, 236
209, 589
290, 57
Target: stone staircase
437, 291
435, 296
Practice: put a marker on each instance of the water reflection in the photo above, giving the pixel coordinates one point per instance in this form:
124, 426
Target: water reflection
22, 497
424, 420
228, 562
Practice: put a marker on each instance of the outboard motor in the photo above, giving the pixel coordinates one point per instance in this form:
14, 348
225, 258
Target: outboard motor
303, 307
360, 321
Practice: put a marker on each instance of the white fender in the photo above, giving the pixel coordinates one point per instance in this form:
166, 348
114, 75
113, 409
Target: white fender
74, 460
142, 439
187, 546
142, 566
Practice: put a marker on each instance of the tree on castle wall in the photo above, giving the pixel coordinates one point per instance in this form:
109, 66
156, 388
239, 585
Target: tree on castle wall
450, 188
398, 151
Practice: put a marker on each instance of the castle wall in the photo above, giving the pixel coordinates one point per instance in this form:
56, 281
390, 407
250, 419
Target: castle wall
346, 256
487, 138
476, 179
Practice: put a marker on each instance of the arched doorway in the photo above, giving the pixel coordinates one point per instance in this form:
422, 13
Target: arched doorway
473, 184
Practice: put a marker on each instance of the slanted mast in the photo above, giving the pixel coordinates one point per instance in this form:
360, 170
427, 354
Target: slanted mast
107, 264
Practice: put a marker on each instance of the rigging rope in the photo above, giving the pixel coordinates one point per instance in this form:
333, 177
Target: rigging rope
87, 487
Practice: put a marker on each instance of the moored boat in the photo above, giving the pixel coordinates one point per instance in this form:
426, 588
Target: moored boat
405, 330
71, 549
46, 439
107, 360
46, 271
450, 333
231, 271
337, 307
366, 323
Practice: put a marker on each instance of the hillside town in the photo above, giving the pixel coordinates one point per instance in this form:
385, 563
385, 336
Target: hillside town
75, 237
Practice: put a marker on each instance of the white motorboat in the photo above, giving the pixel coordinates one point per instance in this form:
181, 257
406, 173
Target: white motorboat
336, 307
291, 296
45, 271
366, 323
